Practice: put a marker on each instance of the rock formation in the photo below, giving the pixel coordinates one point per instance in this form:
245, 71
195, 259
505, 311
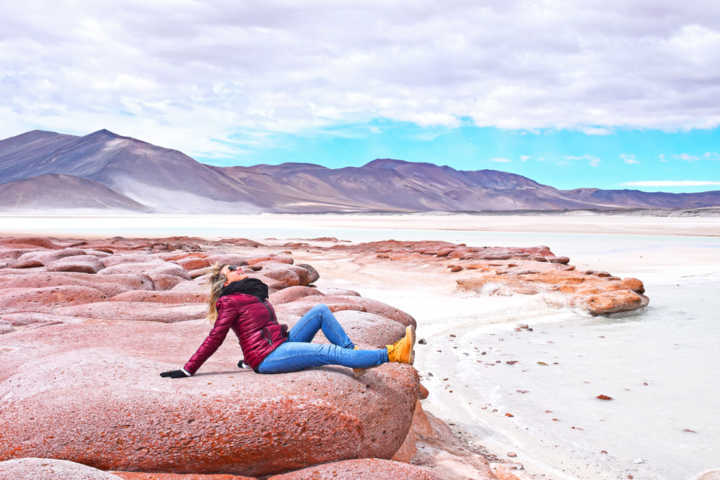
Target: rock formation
87, 325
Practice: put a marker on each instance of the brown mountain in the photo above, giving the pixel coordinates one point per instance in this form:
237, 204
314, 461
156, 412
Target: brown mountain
168, 180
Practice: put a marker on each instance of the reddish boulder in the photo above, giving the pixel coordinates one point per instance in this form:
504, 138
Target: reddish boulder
193, 263
227, 259
162, 296
118, 259
299, 307
290, 294
29, 318
76, 263
613, 302
50, 469
30, 242
311, 277
46, 298
70, 391
361, 469
340, 291
40, 258
149, 268
179, 476
108, 284
165, 282
139, 311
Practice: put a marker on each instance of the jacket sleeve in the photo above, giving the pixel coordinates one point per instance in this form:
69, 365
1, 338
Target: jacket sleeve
215, 338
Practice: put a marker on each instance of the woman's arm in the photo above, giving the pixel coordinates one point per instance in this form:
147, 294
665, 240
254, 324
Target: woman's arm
226, 317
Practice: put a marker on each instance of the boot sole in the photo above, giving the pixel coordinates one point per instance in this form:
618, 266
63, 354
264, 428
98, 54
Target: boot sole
410, 331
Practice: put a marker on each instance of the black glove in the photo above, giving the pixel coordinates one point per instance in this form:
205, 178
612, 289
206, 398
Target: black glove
174, 374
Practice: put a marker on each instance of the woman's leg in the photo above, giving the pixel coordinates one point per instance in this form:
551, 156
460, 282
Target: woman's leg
320, 317
294, 356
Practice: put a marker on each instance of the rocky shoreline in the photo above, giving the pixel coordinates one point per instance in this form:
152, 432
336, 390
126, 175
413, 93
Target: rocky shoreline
89, 323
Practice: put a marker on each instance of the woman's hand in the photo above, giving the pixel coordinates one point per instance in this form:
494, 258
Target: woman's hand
175, 374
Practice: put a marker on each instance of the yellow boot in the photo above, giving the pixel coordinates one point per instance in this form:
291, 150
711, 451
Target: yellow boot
402, 350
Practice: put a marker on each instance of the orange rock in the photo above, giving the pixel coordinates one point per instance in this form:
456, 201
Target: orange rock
360, 469
614, 301
193, 263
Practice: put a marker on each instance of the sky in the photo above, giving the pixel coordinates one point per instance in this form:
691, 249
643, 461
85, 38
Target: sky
608, 94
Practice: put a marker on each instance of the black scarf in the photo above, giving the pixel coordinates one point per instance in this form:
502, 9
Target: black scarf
249, 286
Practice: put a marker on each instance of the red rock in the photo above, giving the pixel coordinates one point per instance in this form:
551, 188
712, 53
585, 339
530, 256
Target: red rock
340, 291
361, 469
270, 258
193, 263
109, 284
29, 318
633, 284
445, 251
50, 469
105, 404
162, 296
76, 263
423, 392
149, 268
562, 260
11, 254
30, 242
167, 282
39, 258
312, 275
290, 294
113, 260
455, 268
5, 327
242, 242
604, 397
178, 476
139, 311
174, 256
284, 276
614, 301
227, 259
46, 298
301, 306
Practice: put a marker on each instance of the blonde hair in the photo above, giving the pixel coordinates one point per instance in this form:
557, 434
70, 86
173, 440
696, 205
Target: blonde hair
217, 282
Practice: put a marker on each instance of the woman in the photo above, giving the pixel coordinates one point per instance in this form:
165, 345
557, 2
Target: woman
240, 303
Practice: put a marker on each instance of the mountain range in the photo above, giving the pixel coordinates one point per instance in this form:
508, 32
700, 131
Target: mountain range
103, 170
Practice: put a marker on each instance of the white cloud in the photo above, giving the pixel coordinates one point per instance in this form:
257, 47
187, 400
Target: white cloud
687, 157
184, 74
662, 158
592, 160
712, 155
671, 183
595, 131
525, 158
500, 160
629, 158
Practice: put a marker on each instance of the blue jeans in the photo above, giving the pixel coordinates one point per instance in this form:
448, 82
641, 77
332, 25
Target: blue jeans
297, 353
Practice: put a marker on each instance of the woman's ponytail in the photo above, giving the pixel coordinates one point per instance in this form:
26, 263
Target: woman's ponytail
217, 282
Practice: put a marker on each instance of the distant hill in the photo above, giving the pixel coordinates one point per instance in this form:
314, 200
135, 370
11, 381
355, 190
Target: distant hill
63, 192
40, 168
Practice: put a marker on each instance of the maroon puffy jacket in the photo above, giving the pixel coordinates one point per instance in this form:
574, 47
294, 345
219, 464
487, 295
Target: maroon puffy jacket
252, 321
